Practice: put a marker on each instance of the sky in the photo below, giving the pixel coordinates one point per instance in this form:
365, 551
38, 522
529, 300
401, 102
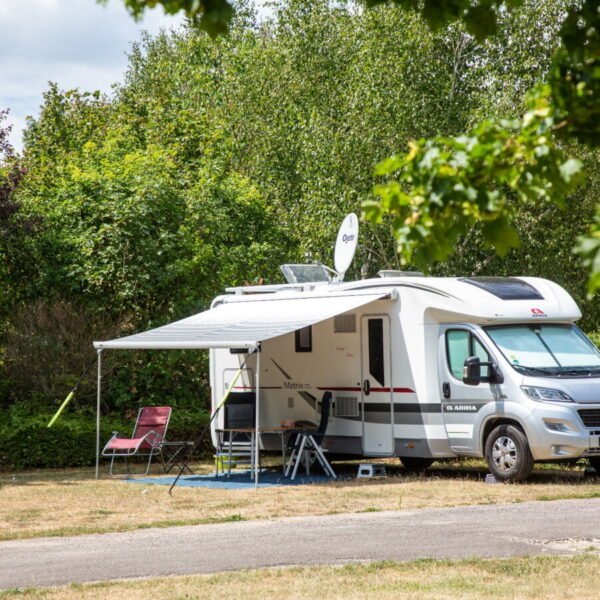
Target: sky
76, 43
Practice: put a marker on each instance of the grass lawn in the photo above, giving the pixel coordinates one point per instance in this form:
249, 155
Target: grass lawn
545, 578
71, 502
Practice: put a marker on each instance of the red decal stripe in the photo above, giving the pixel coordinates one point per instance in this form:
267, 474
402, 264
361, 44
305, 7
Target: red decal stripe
396, 390
251, 387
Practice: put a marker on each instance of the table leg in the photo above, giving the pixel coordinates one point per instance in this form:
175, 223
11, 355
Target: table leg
230, 449
253, 461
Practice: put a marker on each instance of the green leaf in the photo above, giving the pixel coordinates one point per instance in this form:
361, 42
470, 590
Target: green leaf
501, 235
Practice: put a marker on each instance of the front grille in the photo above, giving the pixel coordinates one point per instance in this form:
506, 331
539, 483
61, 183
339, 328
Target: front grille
590, 416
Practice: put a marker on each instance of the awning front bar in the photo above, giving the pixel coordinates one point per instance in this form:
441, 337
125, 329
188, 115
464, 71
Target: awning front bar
145, 345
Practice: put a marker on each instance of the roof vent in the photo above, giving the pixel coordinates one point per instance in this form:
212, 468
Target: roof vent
391, 273
505, 288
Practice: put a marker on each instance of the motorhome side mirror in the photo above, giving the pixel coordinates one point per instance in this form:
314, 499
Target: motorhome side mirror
472, 371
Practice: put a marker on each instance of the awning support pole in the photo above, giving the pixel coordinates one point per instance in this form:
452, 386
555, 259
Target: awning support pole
99, 396
256, 434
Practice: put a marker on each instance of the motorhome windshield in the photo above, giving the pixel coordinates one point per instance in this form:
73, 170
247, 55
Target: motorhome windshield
555, 350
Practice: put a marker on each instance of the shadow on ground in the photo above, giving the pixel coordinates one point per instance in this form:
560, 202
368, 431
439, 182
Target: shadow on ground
468, 469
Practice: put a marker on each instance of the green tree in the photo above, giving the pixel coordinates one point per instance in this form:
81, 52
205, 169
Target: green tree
454, 191
15, 230
442, 186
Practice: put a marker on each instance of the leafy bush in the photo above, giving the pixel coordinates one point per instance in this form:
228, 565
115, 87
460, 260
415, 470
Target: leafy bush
26, 441
71, 442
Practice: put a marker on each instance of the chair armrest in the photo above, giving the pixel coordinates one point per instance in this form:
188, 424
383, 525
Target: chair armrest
153, 442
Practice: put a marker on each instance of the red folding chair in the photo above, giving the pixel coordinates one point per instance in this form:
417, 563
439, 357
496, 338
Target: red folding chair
148, 434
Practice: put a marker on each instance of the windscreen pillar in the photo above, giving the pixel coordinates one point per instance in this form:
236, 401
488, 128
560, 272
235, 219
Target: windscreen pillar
98, 399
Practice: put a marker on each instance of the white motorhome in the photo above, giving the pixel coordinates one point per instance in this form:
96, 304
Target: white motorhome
421, 368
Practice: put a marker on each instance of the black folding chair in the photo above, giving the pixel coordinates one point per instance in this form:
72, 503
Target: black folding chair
305, 444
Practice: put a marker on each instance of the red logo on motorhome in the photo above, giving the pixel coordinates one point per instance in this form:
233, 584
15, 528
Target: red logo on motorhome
537, 312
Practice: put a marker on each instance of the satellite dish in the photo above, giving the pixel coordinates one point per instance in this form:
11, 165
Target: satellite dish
345, 245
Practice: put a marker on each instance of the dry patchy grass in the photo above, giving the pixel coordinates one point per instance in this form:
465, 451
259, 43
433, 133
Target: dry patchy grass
71, 502
548, 578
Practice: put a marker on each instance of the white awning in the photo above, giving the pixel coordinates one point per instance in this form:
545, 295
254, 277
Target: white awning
244, 322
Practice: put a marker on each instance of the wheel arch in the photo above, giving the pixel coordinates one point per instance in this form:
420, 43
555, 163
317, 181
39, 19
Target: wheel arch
491, 423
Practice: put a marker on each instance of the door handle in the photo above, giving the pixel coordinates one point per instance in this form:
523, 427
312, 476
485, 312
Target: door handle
446, 390
366, 387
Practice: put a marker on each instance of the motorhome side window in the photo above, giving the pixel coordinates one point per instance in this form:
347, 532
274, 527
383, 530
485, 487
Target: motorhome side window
460, 344
304, 339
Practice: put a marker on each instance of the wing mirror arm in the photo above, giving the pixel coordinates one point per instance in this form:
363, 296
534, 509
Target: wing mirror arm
495, 372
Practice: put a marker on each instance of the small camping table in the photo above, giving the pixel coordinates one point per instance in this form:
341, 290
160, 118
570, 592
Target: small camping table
281, 431
176, 455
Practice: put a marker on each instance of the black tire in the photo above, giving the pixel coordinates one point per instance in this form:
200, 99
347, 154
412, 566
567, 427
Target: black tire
507, 453
595, 464
415, 464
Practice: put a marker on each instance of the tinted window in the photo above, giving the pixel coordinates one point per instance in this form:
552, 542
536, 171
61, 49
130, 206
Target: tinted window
304, 339
460, 345
376, 362
478, 350
457, 344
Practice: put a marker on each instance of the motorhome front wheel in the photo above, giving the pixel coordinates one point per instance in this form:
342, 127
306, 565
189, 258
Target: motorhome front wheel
507, 453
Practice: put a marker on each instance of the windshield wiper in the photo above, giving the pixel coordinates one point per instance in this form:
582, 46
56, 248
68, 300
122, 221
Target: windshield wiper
534, 370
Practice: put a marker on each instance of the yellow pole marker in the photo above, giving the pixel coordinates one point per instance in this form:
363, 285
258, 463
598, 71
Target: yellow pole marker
237, 376
62, 407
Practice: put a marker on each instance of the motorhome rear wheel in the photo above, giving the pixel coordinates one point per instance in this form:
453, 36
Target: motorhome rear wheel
507, 453
595, 463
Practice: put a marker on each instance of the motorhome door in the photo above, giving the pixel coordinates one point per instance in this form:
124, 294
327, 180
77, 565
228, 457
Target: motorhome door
461, 402
377, 400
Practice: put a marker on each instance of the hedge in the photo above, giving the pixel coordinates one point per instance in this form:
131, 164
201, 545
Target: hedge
27, 442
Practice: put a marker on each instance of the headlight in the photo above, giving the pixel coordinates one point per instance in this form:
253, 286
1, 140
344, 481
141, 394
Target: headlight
541, 394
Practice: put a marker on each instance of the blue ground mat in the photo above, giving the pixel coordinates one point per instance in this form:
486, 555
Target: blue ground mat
239, 480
